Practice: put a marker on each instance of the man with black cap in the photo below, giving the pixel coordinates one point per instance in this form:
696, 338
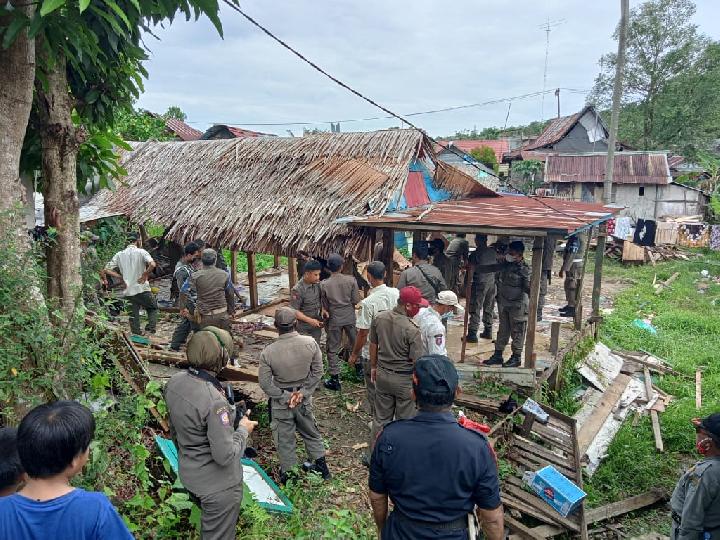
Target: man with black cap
457, 253
434, 471
214, 293
290, 370
422, 274
305, 300
339, 294
513, 290
183, 270
133, 266
202, 424
695, 503
395, 344
483, 285
439, 259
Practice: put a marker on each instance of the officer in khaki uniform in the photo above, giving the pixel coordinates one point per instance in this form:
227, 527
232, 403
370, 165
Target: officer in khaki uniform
215, 295
695, 503
202, 426
339, 295
305, 300
483, 286
395, 344
571, 270
457, 254
549, 245
422, 274
513, 289
290, 370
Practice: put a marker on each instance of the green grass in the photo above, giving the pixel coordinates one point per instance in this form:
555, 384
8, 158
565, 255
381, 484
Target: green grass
263, 261
688, 337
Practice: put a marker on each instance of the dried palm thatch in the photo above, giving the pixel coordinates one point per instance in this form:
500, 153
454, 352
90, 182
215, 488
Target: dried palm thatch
276, 195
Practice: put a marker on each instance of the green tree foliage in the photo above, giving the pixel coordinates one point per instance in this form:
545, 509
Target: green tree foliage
532, 129
486, 156
140, 125
672, 71
529, 171
175, 112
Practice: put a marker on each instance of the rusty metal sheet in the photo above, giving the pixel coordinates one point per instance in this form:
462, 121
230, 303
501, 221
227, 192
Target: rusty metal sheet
629, 168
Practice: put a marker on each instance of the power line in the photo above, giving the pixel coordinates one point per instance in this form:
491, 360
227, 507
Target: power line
374, 103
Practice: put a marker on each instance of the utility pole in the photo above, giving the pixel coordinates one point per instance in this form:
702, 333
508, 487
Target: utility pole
617, 95
547, 27
557, 95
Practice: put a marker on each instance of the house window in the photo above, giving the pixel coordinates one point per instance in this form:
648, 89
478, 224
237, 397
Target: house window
613, 194
641, 191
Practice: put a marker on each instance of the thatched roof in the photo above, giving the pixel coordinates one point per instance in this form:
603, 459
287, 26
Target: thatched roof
276, 195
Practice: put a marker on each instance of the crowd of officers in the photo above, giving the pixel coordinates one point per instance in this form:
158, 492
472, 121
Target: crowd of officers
396, 341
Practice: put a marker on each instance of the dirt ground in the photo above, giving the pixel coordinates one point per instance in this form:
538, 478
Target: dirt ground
343, 418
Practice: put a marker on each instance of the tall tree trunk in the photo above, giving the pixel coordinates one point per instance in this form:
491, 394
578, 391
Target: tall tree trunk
17, 66
60, 140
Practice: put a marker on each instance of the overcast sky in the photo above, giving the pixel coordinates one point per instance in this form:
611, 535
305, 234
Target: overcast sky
409, 55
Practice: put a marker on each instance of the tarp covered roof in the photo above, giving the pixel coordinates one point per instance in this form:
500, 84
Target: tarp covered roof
281, 195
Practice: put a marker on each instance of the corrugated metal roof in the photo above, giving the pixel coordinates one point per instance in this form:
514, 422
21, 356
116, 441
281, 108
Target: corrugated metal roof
241, 132
629, 168
182, 130
506, 212
500, 147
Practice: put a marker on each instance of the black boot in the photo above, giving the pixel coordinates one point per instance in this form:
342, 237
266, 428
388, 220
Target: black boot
285, 477
564, 308
539, 315
487, 333
321, 468
569, 312
333, 383
359, 370
471, 337
495, 360
513, 361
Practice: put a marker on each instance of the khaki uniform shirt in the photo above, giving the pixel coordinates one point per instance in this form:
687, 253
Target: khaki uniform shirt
380, 298
414, 276
292, 361
513, 286
482, 256
458, 248
696, 500
573, 255
201, 421
398, 339
339, 295
212, 289
305, 298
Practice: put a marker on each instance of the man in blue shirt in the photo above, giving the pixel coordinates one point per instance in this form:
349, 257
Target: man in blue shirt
54, 445
434, 471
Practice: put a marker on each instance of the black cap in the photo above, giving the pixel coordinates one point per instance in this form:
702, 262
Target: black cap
335, 262
435, 373
711, 424
518, 246
133, 237
311, 265
420, 249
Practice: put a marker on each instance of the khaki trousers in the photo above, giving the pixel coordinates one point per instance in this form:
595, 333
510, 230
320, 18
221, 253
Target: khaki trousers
393, 400
512, 325
285, 423
334, 343
572, 281
482, 296
220, 513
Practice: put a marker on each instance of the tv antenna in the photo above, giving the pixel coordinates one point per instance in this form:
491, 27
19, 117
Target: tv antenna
547, 27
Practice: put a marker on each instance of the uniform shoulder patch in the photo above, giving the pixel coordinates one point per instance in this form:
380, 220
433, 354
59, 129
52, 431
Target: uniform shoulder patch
439, 338
224, 416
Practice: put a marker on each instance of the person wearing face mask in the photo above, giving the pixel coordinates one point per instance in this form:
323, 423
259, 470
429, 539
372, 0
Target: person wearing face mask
513, 290
395, 344
431, 321
695, 503
483, 286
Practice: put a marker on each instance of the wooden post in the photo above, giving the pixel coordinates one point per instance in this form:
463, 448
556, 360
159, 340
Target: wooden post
292, 272
233, 267
597, 277
469, 272
657, 434
252, 280
578, 297
276, 261
418, 236
143, 234
698, 389
536, 271
387, 255
554, 337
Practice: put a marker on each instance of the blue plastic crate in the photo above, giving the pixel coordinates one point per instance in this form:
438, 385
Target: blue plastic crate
556, 490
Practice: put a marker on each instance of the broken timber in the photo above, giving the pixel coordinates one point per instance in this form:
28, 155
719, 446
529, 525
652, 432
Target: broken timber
592, 426
653, 413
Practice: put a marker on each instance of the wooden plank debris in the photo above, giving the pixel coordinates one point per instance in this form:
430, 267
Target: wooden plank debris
653, 413
659, 287
698, 389
591, 427
524, 377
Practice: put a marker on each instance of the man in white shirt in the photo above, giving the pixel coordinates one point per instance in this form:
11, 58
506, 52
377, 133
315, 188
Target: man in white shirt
133, 265
379, 298
431, 318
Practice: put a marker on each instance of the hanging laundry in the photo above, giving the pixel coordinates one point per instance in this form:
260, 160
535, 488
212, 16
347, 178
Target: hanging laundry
645, 232
694, 235
611, 227
622, 228
715, 237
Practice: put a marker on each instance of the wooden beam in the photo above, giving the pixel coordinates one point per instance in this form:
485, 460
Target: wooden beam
597, 274
292, 272
659, 446
578, 477
276, 261
454, 228
469, 273
418, 237
387, 255
554, 337
592, 426
578, 301
536, 271
667, 282
233, 267
252, 279
522, 530
698, 389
